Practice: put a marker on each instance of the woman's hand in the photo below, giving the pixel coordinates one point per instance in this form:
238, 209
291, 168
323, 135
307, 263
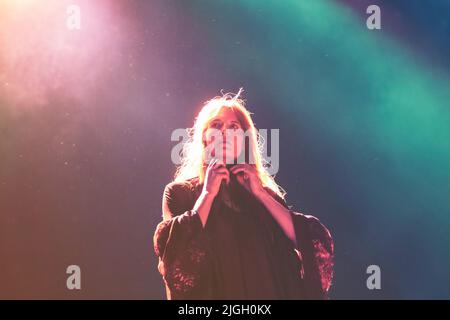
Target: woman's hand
216, 172
247, 176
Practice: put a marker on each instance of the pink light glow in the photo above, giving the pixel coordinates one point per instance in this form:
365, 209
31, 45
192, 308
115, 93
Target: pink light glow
39, 54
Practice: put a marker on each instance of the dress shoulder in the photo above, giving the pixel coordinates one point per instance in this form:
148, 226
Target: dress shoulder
179, 196
180, 187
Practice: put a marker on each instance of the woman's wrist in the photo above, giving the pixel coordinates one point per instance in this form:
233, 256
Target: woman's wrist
262, 194
203, 205
207, 195
205, 198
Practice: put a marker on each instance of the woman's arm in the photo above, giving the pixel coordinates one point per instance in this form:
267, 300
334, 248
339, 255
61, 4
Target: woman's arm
280, 213
311, 239
248, 177
216, 174
313, 244
203, 206
181, 245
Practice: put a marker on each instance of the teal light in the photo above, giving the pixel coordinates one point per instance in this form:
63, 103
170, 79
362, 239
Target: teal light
381, 105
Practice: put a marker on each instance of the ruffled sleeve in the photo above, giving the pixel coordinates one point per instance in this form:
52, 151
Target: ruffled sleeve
315, 249
181, 245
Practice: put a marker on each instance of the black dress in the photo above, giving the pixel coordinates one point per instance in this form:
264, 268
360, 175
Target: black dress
241, 253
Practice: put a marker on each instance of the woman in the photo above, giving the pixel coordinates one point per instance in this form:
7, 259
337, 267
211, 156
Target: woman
227, 232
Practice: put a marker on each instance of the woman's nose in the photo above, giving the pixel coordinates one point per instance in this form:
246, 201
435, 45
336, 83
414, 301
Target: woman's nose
224, 135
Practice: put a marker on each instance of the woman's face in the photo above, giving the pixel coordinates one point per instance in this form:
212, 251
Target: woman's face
224, 136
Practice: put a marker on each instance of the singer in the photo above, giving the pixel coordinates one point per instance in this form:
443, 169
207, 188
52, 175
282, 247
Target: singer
227, 232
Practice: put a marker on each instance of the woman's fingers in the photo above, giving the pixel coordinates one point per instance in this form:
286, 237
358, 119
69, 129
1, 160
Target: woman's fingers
220, 170
235, 170
219, 163
224, 176
245, 168
241, 174
223, 170
241, 167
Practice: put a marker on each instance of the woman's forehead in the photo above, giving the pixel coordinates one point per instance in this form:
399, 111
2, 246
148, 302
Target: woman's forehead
226, 114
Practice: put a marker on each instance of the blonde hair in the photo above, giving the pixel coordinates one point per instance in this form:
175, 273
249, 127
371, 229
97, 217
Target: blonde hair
192, 154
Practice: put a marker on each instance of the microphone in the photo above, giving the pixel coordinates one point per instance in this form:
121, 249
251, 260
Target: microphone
224, 188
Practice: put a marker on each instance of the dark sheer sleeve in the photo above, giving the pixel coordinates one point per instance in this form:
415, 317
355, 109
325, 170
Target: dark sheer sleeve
315, 249
180, 244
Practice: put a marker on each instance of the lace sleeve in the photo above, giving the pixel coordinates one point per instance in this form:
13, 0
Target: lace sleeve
181, 246
316, 249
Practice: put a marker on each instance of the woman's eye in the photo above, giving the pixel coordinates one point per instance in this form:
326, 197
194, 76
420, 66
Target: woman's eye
234, 126
216, 125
